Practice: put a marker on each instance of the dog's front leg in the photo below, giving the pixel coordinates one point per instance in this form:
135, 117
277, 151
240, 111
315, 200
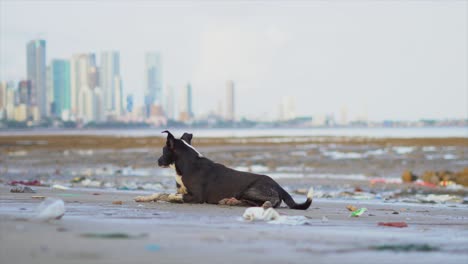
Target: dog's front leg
191, 198
148, 198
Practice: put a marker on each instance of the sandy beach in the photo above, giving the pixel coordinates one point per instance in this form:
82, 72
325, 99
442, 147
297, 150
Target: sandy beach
181, 233
91, 174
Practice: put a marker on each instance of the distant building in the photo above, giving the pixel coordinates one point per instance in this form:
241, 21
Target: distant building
130, 105
185, 106
49, 91
153, 80
287, 108
110, 81
60, 70
24, 93
10, 101
189, 100
36, 73
118, 96
84, 79
230, 101
170, 103
3, 100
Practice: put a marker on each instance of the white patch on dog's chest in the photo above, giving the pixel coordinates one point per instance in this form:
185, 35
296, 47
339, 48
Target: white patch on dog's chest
182, 189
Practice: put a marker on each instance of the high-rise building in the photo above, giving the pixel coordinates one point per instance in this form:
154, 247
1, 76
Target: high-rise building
153, 80
118, 96
84, 79
110, 80
230, 101
129, 107
25, 95
60, 70
10, 101
185, 106
3, 99
170, 103
287, 108
189, 100
98, 104
36, 73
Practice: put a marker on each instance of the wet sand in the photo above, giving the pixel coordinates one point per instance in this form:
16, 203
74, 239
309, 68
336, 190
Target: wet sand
182, 233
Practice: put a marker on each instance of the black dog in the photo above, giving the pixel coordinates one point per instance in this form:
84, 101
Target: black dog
208, 182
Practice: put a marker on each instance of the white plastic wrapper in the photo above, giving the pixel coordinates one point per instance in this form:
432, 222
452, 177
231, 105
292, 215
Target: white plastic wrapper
50, 209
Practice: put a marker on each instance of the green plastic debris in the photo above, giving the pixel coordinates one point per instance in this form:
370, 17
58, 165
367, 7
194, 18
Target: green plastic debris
405, 247
113, 235
358, 212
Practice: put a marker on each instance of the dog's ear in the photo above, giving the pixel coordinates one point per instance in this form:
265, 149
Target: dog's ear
170, 139
187, 137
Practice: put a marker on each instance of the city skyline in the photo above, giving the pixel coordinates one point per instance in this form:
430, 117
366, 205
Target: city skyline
377, 70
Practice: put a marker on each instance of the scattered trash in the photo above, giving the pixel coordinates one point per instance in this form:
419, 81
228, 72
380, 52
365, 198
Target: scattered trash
271, 216
324, 219
96, 194
263, 213
358, 212
27, 183
113, 235
78, 179
395, 212
408, 176
393, 224
91, 183
117, 202
405, 247
446, 178
22, 189
438, 198
351, 208
60, 187
51, 209
38, 197
152, 247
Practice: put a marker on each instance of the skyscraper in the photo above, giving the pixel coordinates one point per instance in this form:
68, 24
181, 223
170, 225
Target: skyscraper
60, 70
170, 103
110, 81
84, 78
153, 79
185, 111
287, 108
3, 99
36, 73
189, 100
230, 101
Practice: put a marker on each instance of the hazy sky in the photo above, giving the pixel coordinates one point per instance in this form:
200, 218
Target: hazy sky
390, 59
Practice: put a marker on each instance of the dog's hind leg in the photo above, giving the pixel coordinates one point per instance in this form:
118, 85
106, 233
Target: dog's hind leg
258, 194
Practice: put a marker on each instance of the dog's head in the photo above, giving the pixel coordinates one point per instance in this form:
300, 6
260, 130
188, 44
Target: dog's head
176, 148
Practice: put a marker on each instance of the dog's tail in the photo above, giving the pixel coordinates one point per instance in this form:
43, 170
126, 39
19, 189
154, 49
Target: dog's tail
292, 204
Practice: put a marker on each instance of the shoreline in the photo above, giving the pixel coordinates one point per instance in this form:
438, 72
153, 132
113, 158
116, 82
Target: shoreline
119, 142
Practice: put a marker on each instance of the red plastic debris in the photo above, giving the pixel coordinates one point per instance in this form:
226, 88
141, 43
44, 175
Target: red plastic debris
426, 184
28, 183
393, 224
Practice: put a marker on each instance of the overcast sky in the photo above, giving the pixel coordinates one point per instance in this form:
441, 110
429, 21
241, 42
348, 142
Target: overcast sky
390, 59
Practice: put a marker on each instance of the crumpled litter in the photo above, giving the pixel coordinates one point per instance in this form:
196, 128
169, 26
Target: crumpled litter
22, 189
60, 187
393, 224
358, 212
50, 209
271, 216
